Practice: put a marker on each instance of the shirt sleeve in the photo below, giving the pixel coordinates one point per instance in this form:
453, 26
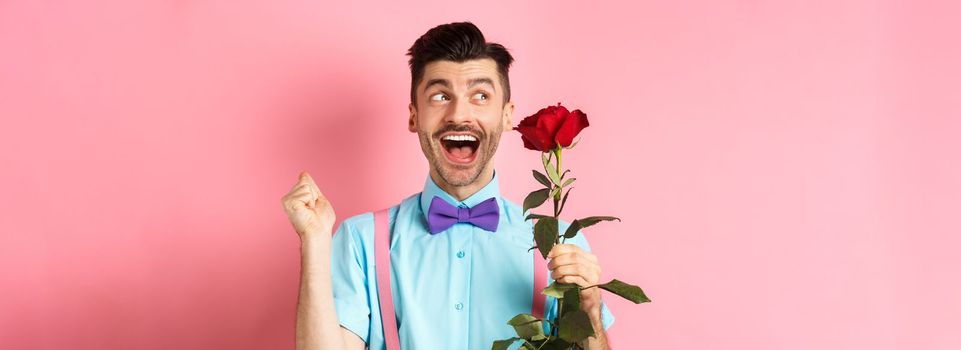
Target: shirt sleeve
350, 281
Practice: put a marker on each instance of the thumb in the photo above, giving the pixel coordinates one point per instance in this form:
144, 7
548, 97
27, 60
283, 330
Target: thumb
317, 195
313, 185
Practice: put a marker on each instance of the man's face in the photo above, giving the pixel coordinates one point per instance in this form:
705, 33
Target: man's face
459, 117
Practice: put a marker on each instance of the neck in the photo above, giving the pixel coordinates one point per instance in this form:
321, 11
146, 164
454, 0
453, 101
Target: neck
462, 192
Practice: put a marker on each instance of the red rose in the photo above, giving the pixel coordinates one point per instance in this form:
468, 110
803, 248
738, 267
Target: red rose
550, 127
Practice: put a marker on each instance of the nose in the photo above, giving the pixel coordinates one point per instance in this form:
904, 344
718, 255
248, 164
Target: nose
459, 112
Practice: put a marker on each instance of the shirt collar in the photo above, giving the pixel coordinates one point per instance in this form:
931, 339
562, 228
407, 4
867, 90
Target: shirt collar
492, 189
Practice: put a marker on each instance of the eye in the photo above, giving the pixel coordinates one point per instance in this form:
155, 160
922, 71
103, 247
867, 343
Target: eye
439, 97
480, 96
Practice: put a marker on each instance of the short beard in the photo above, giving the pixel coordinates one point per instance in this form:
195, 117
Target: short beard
433, 151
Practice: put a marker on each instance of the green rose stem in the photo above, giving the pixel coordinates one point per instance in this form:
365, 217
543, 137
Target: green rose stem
570, 325
557, 152
557, 198
557, 170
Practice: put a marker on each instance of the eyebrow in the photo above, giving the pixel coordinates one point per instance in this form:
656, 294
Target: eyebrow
470, 83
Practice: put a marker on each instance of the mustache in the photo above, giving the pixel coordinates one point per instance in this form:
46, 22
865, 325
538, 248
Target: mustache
460, 128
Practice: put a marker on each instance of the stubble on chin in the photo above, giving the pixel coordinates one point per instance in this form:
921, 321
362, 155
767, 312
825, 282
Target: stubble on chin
458, 177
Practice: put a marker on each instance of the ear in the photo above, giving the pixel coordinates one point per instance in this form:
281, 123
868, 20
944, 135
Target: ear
508, 115
412, 122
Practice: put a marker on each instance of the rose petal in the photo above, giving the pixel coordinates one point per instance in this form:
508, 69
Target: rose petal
560, 111
529, 121
551, 126
530, 145
528, 130
547, 125
573, 124
532, 137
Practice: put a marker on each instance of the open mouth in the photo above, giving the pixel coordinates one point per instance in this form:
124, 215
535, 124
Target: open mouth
460, 148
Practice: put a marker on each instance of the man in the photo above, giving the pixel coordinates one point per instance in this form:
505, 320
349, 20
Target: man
458, 287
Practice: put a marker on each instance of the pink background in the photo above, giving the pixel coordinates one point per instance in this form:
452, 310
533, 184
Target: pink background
788, 172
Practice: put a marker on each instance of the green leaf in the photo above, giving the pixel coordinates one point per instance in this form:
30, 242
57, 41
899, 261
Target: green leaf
568, 181
579, 224
542, 178
545, 234
573, 144
591, 220
528, 327
546, 158
535, 199
575, 326
571, 300
557, 289
626, 291
572, 229
554, 192
564, 201
565, 173
504, 344
552, 173
536, 216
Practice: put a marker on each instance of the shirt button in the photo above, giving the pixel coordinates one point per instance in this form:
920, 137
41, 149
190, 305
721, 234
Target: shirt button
460, 254
459, 306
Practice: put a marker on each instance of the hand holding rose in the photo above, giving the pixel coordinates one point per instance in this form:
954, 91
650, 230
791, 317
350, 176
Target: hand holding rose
576, 273
571, 264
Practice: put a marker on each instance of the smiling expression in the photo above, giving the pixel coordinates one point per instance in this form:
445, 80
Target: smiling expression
459, 117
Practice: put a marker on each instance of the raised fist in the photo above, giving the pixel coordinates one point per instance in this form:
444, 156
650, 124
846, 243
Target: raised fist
307, 209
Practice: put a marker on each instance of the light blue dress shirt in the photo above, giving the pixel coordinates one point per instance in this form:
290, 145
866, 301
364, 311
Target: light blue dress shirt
453, 290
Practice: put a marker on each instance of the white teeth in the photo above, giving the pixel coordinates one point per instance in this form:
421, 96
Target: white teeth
460, 138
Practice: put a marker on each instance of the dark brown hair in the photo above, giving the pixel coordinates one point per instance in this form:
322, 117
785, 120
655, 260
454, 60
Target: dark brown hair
457, 42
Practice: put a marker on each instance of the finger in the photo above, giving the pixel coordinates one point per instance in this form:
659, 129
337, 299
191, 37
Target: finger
313, 194
313, 185
574, 260
573, 250
306, 178
290, 203
561, 260
317, 193
567, 270
303, 178
574, 256
303, 199
559, 249
300, 189
587, 272
578, 280
301, 181
301, 186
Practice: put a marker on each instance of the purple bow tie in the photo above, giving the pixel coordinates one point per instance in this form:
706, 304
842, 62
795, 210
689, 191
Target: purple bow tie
442, 215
